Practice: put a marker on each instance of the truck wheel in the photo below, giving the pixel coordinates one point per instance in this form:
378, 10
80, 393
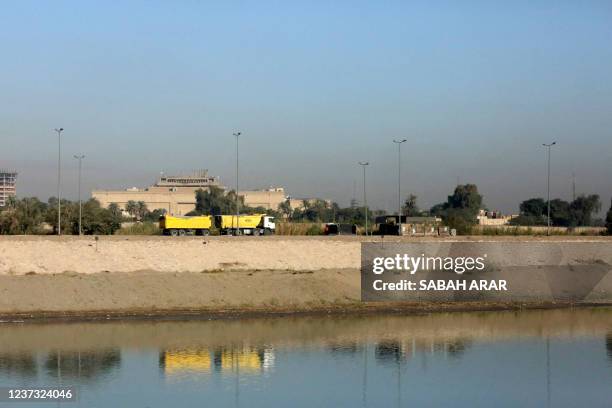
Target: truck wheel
205, 232
182, 233
173, 232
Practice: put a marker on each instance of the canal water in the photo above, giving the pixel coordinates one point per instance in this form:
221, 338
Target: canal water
538, 358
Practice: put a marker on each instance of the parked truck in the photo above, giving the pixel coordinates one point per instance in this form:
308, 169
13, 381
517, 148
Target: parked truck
198, 225
258, 224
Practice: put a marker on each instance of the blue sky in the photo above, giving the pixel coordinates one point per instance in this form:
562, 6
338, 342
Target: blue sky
476, 87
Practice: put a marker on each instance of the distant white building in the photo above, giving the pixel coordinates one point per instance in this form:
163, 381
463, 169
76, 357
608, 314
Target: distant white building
493, 218
8, 185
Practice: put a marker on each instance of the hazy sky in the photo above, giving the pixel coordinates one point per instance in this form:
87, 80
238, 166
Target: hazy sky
315, 86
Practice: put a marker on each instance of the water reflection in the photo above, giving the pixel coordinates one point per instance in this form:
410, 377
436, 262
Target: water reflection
83, 365
401, 350
328, 361
21, 365
343, 349
225, 360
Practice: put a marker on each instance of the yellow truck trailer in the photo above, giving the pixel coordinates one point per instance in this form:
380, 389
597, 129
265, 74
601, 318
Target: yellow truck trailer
199, 225
258, 224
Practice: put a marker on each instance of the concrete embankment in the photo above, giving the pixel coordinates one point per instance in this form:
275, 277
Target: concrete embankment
70, 276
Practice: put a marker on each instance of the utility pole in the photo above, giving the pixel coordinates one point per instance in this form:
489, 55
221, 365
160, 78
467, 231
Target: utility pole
59, 180
548, 146
573, 186
399, 184
365, 201
80, 159
237, 208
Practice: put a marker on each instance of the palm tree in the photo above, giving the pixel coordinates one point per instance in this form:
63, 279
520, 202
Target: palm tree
132, 208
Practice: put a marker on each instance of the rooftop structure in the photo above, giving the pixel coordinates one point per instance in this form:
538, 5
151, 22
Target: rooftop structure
199, 178
8, 183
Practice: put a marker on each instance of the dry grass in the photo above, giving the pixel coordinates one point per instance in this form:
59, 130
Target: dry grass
299, 228
142, 228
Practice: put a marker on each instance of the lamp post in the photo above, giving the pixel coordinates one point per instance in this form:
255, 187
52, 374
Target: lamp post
59, 180
399, 184
548, 146
365, 201
237, 134
80, 159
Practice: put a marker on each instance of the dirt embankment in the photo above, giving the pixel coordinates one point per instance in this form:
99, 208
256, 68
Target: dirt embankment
20, 255
53, 255
71, 276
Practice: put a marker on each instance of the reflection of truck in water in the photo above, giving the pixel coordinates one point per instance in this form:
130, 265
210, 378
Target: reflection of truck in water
246, 359
173, 361
257, 224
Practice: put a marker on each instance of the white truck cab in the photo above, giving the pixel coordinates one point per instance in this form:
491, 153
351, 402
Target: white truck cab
268, 224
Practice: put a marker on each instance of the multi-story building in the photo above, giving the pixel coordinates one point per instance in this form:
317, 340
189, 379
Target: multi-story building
8, 183
176, 194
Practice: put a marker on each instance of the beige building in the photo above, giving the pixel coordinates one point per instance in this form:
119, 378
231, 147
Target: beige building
493, 218
176, 194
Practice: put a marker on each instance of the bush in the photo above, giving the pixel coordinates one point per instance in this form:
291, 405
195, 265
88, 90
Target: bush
298, 228
140, 228
460, 220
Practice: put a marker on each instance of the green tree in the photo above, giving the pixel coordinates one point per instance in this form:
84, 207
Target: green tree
533, 212
316, 211
461, 208
214, 201
22, 216
141, 210
97, 220
285, 209
115, 210
461, 220
582, 208
155, 215
410, 208
560, 213
68, 211
466, 197
131, 207
438, 210
534, 207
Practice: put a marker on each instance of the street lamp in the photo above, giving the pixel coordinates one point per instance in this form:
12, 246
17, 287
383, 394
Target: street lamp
80, 159
59, 180
548, 146
365, 202
399, 183
237, 208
